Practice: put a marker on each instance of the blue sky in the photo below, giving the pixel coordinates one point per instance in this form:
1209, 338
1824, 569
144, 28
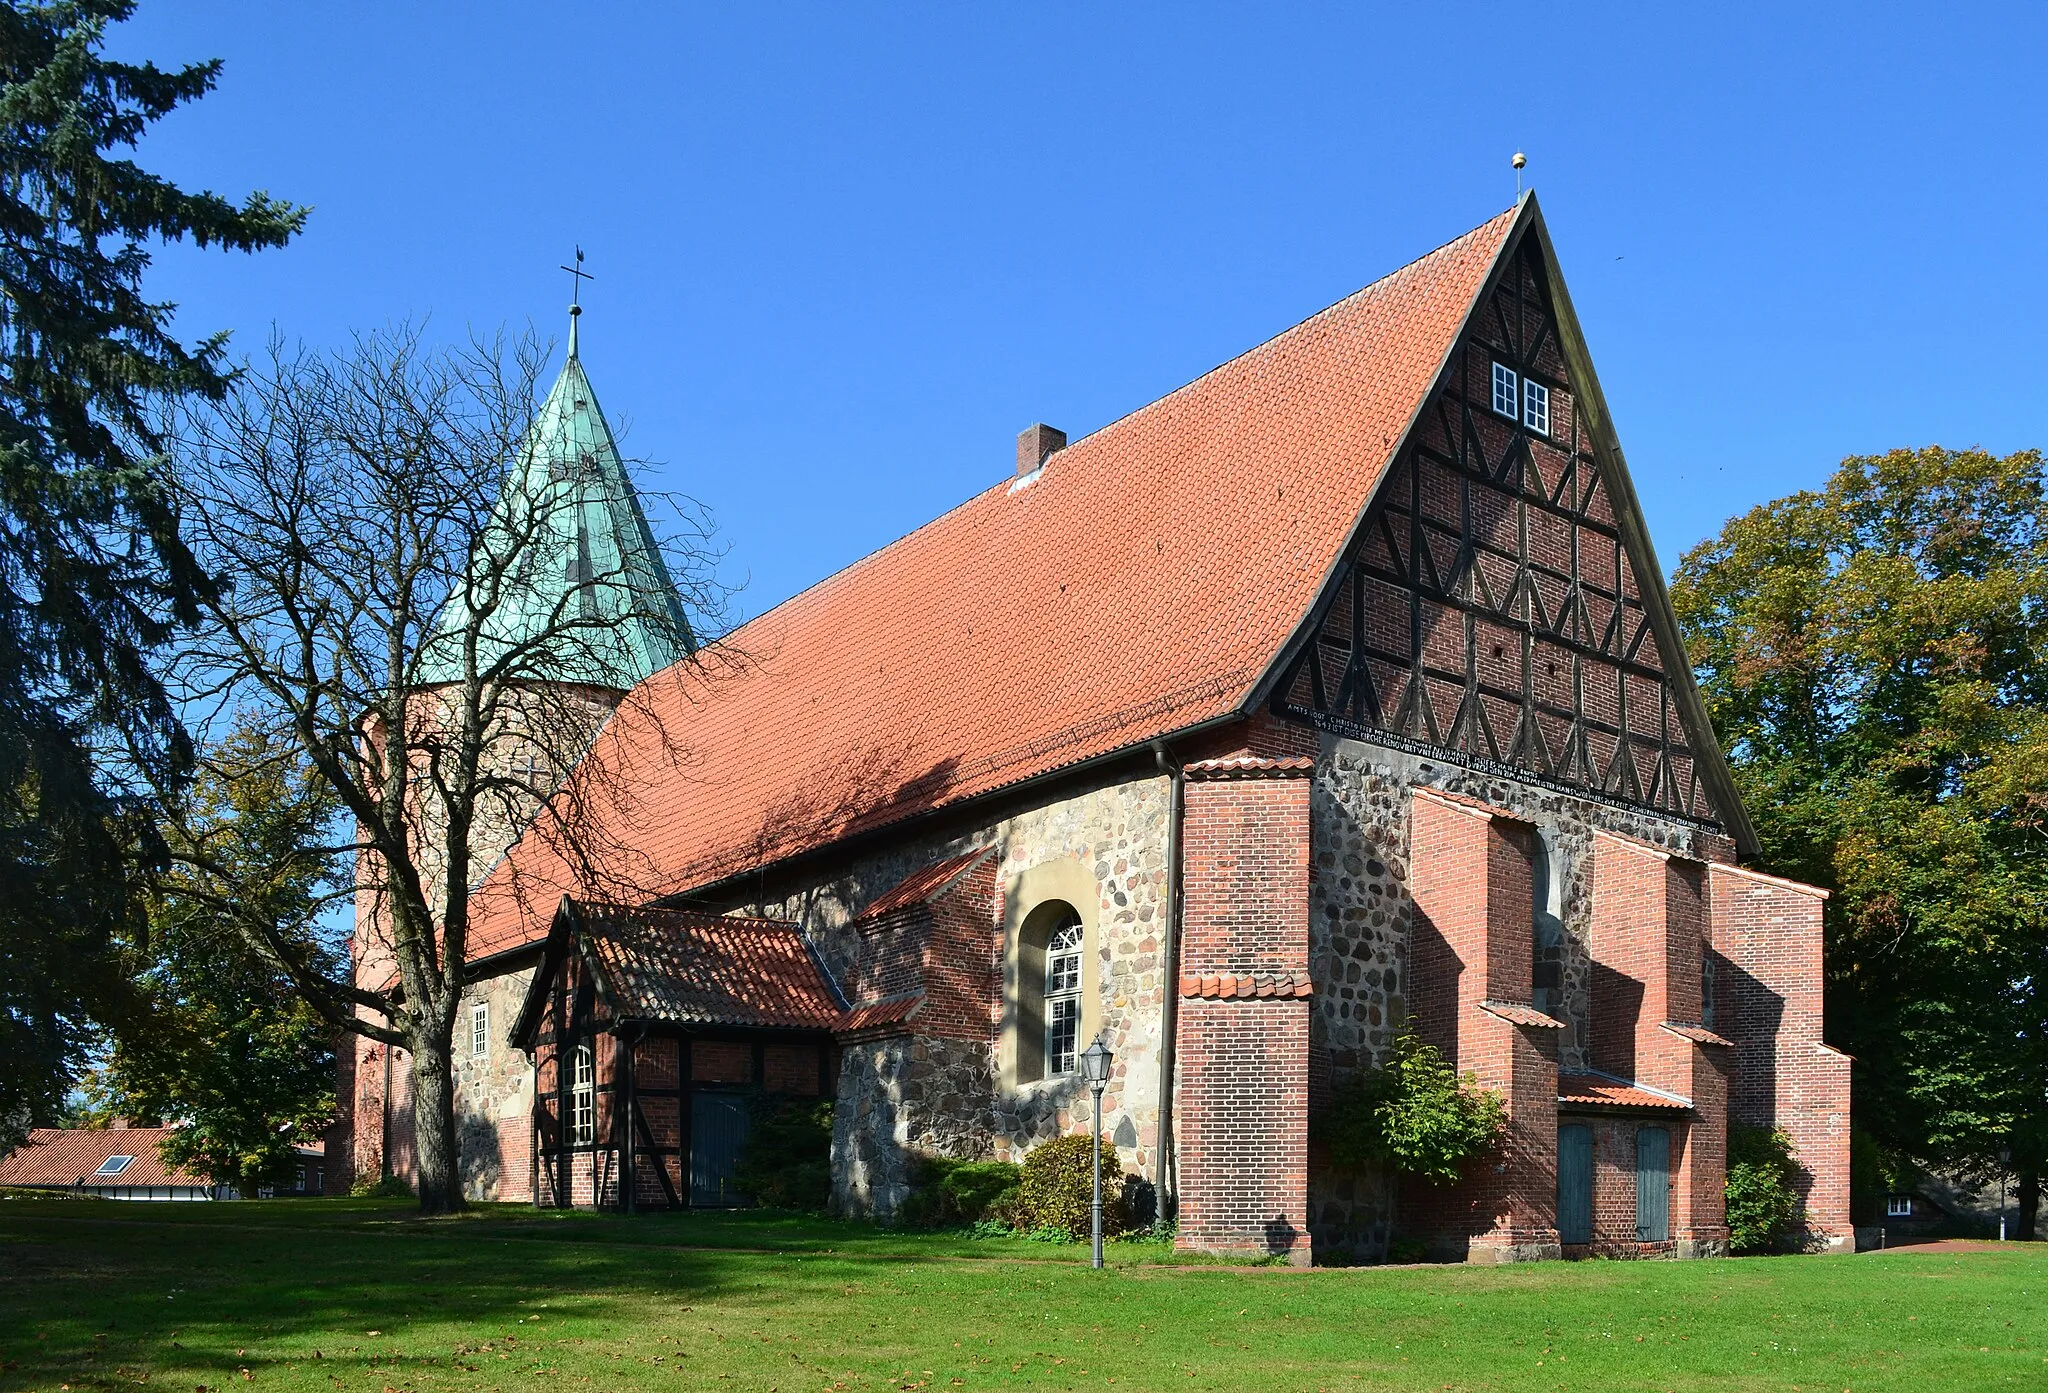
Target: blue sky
844, 253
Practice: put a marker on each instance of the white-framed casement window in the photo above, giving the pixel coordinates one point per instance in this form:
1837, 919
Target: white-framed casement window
1899, 1207
1063, 999
480, 1028
583, 1097
1505, 400
1536, 407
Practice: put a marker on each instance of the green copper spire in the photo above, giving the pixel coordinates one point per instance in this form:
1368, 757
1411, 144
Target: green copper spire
586, 594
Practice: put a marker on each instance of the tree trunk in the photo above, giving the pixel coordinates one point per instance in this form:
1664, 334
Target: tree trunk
436, 1151
2028, 1199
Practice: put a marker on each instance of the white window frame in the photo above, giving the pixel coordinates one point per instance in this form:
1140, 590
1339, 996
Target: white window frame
1536, 406
108, 1166
1507, 398
582, 1097
1065, 969
479, 1029
1899, 1207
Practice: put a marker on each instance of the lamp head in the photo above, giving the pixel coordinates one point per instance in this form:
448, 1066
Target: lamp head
1095, 1062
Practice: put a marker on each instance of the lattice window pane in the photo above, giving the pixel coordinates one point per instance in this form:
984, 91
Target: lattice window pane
1062, 1034
1536, 407
1063, 999
480, 1029
1504, 399
583, 1098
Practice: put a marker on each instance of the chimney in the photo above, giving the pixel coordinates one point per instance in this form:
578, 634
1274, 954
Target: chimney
1035, 442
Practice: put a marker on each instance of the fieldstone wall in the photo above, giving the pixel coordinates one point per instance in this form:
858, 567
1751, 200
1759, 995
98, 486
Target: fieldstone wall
494, 1094
920, 1094
1360, 913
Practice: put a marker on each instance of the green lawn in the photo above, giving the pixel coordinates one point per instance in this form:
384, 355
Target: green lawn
333, 1295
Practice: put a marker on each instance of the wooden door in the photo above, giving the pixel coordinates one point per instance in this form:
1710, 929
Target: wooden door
1575, 1183
1653, 1185
718, 1132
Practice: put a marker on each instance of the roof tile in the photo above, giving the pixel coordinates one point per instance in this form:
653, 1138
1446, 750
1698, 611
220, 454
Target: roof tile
69, 1155
692, 968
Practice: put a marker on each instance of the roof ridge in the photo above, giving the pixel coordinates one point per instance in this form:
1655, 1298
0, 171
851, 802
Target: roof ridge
1003, 484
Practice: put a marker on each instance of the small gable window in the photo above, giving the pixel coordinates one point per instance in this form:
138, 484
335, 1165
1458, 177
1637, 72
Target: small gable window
1504, 398
1536, 407
480, 1029
1899, 1207
1063, 998
114, 1165
583, 1098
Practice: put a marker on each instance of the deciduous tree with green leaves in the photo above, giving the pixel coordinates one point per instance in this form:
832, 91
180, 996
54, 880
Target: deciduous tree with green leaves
1875, 657
223, 1045
92, 575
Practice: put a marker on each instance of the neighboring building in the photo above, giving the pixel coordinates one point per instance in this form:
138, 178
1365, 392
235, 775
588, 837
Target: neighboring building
1337, 688
115, 1163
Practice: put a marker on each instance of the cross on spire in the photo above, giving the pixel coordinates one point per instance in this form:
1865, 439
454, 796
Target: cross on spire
577, 276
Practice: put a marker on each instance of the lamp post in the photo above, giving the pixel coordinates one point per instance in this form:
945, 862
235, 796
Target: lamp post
1095, 1061
2004, 1169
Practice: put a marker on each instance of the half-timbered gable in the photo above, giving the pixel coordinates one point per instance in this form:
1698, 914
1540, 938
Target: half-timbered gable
1499, 600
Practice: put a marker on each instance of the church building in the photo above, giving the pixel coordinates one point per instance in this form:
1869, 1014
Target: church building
1334, 694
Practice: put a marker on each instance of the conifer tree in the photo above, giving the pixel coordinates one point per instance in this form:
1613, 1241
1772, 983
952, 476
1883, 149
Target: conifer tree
93, 577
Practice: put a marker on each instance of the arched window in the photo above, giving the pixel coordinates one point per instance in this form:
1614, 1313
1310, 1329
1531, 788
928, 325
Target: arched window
1063, 950
583, 1098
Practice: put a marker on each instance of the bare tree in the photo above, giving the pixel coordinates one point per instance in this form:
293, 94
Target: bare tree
409, 595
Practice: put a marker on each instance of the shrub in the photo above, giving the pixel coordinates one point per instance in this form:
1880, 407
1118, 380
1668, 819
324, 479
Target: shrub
1056, 1189
1763, 1198
1416, 1115
388, 1188
787, 1160
947, 1190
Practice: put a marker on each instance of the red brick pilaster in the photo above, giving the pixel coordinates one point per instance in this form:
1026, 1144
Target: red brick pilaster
1242, 1099
1648, 937
1470, 962
1766, 936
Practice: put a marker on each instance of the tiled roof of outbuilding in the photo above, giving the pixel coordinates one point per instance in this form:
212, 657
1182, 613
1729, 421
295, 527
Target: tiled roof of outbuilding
690, 968
68, 1155
1140, 583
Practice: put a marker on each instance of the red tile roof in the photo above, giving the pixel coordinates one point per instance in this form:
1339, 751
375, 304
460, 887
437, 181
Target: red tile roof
1251, 984
1600, 1091
68, 1155
1521, 1013
708, 969
1699, 1034
921, 886
1141, 583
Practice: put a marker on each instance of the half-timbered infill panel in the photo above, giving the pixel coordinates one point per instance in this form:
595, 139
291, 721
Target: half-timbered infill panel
1490, 605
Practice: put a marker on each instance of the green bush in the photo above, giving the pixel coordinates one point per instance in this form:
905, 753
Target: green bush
389, 1188
1056, 1190
787, 1161
1416, 1115
948, 1191
1763, 1198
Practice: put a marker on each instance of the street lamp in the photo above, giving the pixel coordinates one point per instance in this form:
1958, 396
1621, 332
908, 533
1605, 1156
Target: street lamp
1095, 1061
2004, 1169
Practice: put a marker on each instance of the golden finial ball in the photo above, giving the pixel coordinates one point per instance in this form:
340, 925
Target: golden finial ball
1520, 159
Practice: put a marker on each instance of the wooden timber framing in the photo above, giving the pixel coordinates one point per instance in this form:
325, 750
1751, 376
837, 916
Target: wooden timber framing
1498, 601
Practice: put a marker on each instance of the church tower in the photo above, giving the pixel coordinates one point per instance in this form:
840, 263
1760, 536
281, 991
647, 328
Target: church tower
570, 604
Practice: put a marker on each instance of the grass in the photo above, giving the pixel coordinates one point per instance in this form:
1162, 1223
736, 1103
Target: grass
334, 1295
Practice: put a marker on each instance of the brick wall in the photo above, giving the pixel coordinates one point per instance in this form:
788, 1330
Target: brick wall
1471, 949
1766, 937
1648, 943
1242, 1045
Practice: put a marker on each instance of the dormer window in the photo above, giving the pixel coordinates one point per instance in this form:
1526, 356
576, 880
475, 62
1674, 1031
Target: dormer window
1504, 396
1536, 407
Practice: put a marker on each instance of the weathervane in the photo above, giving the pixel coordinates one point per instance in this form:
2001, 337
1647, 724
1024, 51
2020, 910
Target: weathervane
578, 276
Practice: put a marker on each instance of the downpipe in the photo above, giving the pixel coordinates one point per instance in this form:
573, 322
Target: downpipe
1166, 1180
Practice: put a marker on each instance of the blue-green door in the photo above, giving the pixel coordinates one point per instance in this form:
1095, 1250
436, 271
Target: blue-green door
718, 1131
1575, 1183
1653, 1185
